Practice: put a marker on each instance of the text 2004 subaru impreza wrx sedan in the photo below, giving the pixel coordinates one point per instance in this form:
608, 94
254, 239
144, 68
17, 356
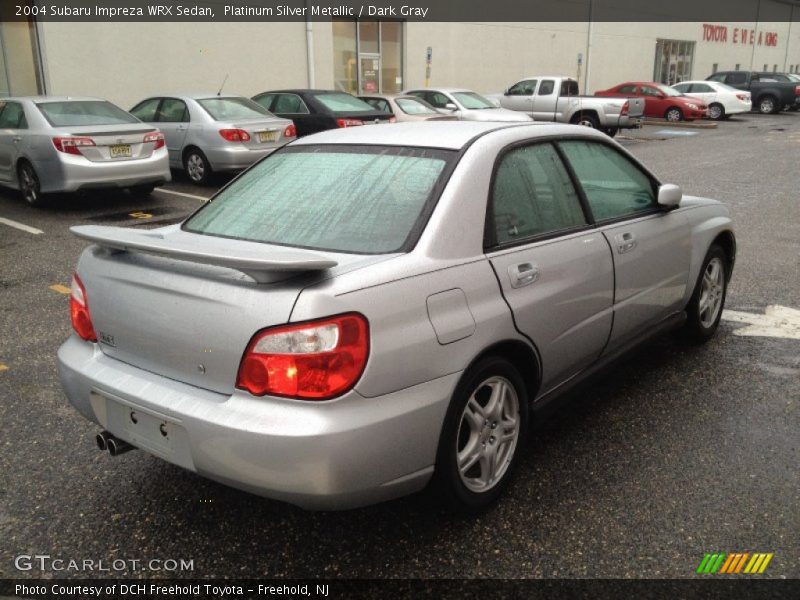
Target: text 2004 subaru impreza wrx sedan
371, 309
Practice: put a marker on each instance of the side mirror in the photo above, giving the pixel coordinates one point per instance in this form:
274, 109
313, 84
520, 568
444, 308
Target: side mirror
505, 91
451, 106
669, 195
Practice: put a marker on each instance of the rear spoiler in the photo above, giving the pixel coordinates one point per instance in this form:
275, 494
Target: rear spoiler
251, 258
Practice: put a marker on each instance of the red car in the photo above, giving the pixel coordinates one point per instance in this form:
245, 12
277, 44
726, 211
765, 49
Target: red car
660, 101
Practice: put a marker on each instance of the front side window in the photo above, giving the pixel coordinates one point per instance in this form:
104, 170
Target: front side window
69, 113
737, 78
437, 99
146, 110
231, 109
358, 199
472, 101
523, 88
627, 89
413, 106
682, 87
719, 77
614, 186
532, 195
702, 88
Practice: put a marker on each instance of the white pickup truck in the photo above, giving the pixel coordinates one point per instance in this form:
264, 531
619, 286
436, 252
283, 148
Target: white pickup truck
548, 98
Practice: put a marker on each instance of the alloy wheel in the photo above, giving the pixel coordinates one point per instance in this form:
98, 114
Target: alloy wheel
767, 105
673, 114
487, 434
29, 185
712, 289
714, 112
195, 167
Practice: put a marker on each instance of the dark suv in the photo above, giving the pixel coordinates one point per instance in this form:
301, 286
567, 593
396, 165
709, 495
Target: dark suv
769, 96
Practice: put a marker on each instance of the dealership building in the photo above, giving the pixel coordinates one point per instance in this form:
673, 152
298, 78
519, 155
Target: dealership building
127, 61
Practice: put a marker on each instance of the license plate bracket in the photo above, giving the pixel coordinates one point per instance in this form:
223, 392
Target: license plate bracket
265, 137
120, 150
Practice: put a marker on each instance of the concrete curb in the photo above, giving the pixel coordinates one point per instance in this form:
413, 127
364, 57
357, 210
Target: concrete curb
680, 124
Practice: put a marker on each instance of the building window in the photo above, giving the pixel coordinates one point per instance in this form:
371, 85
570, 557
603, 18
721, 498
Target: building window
368, 56
774, 68
737, 67
766, 67
673, 62
714, 68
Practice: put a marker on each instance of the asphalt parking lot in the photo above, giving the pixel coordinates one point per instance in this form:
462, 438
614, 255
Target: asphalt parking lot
676, 452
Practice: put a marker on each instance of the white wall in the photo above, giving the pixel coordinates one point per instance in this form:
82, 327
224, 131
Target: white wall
125, 62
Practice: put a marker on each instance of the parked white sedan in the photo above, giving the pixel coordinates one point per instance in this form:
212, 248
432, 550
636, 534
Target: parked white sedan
722, 99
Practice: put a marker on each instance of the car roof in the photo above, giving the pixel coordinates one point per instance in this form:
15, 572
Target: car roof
54, 98
446, 90
388, 96
303, 91
450, 135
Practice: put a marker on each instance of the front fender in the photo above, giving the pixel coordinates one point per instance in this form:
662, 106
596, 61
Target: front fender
707, 222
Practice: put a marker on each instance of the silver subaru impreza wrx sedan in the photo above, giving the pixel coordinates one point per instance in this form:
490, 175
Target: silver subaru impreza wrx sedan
370, 310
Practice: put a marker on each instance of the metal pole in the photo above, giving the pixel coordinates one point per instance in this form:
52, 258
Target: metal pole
753, 53
589, 38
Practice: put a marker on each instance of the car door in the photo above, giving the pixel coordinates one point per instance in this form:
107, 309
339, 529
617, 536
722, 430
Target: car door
555, 271
174, 122
147, 111
703, 91
655, 103
520, 96
738, 79
12, 128
650, 245
544, 102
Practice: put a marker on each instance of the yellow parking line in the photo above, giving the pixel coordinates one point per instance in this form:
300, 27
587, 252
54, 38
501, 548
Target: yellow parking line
61, 289
3, 367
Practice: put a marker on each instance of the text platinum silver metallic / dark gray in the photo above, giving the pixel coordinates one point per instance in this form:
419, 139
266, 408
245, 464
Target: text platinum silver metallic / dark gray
175, 309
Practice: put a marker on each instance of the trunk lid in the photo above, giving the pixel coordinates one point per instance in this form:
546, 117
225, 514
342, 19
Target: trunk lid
156, 307
264, 133
112, 143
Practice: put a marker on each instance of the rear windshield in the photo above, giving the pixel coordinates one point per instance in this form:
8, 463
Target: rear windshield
230, 109
69, 113
340, 103
473, 101
354, 199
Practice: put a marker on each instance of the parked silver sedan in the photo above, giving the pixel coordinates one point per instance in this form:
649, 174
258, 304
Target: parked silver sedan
467, 105
373, 309
208, 132
406, 108
65, 144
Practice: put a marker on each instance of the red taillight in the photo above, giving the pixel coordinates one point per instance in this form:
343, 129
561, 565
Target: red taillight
797, 90
626, 108
290, 131
71, 145
743, 97
392, 119
157, 138
348, 122
79, 311
235, 135
316, 360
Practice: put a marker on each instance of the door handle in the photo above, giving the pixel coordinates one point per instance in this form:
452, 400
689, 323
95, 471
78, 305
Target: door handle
625, 242
523, 274
181, 128
17, 138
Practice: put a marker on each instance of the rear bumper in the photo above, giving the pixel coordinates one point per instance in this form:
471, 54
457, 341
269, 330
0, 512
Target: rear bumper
68, 173
236, 156
321, 455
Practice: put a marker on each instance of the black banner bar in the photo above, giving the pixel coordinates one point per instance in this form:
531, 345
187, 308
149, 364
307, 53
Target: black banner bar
748, 11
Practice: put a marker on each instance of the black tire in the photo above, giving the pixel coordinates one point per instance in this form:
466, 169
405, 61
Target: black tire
673, 114
768, 105
448, 482
700, 326
587, 120
611, 131
142, 190
716, 112
29, 185
196, 166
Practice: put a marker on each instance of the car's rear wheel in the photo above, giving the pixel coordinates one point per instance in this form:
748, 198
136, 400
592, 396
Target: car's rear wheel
705, 307
767, 105
29, 184
673, 114
483, 431
716, 112
587, 120
196, 166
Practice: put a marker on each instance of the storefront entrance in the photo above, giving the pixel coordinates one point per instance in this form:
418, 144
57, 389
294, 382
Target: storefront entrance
673, 61
368, 56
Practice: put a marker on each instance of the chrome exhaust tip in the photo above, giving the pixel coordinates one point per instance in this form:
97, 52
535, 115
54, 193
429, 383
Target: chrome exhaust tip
117, 446
102, 440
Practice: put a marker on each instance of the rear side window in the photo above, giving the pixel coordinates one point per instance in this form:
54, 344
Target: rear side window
702, 88
13, 116
532, 195
357, 199
627, 89
230, 109
546, 87
69, 113
614, 186
290, 103
173, 111
378, 104
146, 110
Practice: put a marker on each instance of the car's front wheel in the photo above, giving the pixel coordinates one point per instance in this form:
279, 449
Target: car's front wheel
482, 434
674, 114
705, 307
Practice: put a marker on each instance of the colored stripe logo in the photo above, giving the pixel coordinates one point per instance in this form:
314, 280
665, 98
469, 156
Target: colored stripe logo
734, 563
